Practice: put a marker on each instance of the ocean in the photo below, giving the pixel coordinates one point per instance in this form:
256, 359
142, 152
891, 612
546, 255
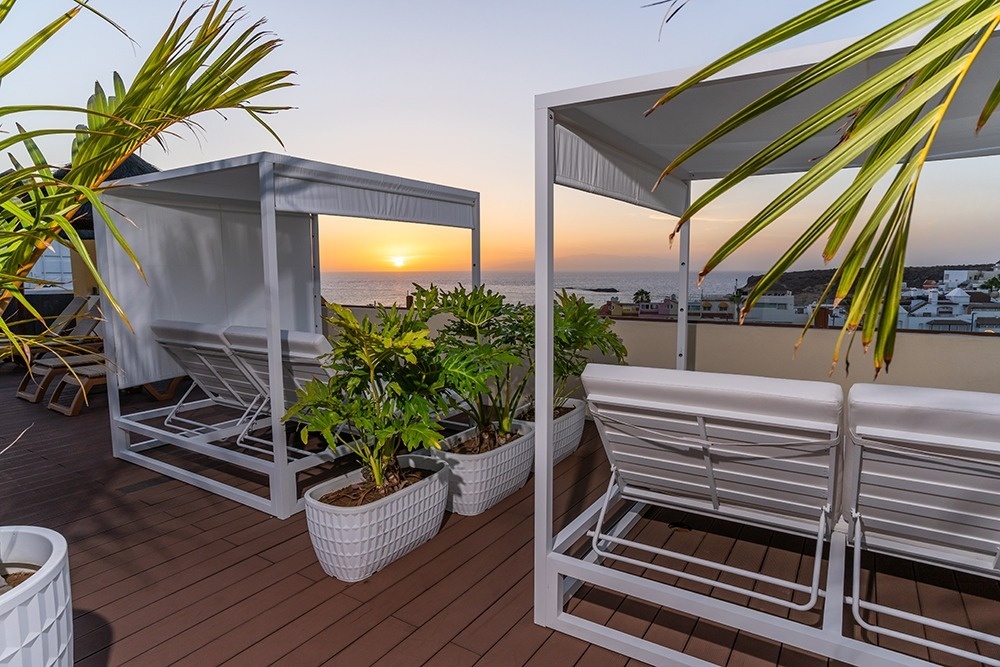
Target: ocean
360, 289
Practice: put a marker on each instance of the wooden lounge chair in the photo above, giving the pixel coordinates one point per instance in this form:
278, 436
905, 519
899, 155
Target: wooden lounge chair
84, 379
71, 331
749, 449
67, 348
922, 481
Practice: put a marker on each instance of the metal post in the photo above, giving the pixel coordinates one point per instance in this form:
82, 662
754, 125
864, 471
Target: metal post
547, 597
477, 279
683, 362
282, 487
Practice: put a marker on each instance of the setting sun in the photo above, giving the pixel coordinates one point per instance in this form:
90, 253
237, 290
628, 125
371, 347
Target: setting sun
398, 261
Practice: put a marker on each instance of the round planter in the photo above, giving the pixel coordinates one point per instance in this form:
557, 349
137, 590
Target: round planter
479, 481
36, 617
353, 543
567, 430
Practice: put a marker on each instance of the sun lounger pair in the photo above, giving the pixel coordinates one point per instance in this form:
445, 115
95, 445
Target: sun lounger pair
917, 475
230, 366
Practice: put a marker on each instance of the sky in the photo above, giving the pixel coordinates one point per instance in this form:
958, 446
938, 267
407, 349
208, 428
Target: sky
443, 91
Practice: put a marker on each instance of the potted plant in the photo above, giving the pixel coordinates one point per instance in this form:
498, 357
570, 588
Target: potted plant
578, 331
379, 401
485, 347
36, 608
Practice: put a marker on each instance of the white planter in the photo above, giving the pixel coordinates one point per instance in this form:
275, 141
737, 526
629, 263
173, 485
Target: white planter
479, 481
36, 617
567, 430
353, 543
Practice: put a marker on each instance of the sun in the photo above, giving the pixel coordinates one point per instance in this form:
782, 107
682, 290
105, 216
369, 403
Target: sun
398, 262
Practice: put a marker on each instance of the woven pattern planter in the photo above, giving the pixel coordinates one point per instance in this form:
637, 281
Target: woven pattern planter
567, 430
36, 617
479, 481
353, 543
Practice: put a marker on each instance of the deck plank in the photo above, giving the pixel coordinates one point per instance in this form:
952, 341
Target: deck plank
165, 573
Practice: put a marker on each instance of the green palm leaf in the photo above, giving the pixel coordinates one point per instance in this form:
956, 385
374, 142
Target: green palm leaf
893, 119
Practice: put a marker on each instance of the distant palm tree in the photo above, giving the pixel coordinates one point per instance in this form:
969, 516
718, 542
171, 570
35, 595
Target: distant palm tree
891, 118
641, 296
199, 64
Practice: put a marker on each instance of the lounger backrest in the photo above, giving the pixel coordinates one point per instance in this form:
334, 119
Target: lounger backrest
87, 317
201, 350
756, 449
301, 357
923, 471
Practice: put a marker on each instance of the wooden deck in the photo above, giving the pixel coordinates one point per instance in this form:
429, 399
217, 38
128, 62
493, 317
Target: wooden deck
164, 573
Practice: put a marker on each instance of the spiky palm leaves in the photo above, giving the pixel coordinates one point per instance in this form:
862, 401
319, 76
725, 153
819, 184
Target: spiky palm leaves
892, 120
198, 65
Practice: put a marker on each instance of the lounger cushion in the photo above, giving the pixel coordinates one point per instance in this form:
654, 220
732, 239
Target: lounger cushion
923, 472
962, 418
293, 343
190, 333
758, 398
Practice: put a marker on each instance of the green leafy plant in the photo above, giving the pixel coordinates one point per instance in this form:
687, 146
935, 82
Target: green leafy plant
383, 394
486, 346
578, 330
889, 123
201, 63
641, 296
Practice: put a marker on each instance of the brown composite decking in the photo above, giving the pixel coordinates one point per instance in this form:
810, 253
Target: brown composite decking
164, 573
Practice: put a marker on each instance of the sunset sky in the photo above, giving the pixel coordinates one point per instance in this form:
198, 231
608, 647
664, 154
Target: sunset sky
443, 91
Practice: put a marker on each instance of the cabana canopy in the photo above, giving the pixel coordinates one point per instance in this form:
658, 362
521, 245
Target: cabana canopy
596, 139
235, 243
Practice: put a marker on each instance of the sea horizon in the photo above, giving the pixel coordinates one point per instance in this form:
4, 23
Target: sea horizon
360, 288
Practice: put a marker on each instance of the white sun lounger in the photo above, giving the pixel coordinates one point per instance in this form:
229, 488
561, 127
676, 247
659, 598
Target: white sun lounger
749, 449
301, 356
923, 482
203, 353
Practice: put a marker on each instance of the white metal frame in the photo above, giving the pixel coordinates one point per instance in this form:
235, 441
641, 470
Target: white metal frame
557, 574
132, 437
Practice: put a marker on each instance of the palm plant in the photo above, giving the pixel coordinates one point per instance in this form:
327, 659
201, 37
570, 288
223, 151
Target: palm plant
198, 65
578, 329
891, 123
486, 350
641, 296
382, 395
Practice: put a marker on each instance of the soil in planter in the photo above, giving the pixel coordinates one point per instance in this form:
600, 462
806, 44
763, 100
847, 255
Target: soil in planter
483, 442
529, 414
9, 580
366, 492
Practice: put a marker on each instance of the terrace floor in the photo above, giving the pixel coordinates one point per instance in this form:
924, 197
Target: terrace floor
165, 573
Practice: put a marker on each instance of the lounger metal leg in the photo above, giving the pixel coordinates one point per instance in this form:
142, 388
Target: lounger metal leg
857, 604
601, 539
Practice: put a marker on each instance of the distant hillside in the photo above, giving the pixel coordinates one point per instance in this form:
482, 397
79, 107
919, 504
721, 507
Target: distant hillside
808, 286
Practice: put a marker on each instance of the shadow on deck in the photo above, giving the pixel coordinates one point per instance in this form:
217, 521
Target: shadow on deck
163, 572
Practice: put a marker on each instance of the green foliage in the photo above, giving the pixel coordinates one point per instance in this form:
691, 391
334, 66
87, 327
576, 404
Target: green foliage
993, 284
641, 296
578, 329
384, 392
487, 351
890, 122
200, 64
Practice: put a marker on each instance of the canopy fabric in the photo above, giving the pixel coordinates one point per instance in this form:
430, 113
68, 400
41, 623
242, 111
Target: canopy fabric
609, 128
204, 237
306, 186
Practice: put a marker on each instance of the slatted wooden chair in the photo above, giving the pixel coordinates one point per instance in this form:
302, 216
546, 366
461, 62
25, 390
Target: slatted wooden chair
923, 482
65, 346
749, 449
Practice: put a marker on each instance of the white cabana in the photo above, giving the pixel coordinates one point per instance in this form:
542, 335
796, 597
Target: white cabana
596, 139
235, 242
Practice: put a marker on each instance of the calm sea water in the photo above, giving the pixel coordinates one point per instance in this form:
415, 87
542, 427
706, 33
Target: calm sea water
392, 287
